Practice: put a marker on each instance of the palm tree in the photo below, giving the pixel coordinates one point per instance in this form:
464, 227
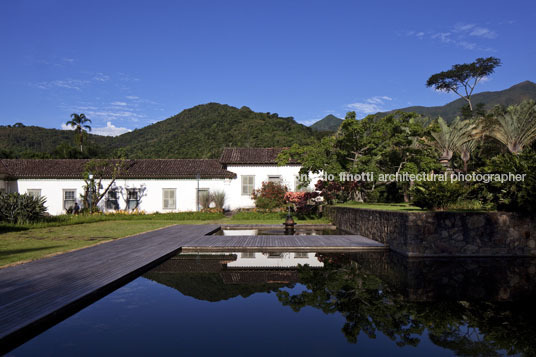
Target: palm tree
451, 137
79, 123
465, 151
515, 126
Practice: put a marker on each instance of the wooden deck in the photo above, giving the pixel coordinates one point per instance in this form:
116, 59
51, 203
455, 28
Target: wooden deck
324, 243
36, 295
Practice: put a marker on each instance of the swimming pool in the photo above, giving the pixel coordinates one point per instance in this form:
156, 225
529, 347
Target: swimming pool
266, 303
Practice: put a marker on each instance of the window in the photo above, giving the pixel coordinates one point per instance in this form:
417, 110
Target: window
301, 255
248, 185
247, 255
168, 198
275, 179
35, 192
133, 198
275, 255
297, 184
203, 198
69, 199
112, 199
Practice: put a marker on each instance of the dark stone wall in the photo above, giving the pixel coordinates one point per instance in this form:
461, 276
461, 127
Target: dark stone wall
441, 233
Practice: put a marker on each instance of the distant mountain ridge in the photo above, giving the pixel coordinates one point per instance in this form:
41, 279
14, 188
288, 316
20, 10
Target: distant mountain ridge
198, 132
328, 123
513, 95
204, 130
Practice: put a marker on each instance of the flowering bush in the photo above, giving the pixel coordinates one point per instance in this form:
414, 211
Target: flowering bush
271, 195
305, 203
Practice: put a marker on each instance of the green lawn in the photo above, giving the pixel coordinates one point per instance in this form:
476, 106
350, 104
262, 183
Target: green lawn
60, 234
382, 206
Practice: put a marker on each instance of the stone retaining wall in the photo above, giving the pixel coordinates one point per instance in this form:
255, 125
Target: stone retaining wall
441, 233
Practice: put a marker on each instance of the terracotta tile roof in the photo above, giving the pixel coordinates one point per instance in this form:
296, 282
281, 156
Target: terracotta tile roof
143, 168
259, 156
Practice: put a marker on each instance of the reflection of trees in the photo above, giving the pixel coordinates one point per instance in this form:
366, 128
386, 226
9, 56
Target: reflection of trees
370, 306
367, 304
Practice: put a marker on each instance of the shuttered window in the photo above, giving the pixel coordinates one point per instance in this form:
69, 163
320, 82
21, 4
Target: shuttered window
69, 198
169, 198
248, 185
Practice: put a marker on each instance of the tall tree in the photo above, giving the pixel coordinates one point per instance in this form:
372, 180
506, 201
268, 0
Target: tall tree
451, 137
95, 171
79, 123
465, 150
515, 126
463, 78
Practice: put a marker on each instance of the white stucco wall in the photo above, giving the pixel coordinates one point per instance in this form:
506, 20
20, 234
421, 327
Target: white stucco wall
151, 200
261, 173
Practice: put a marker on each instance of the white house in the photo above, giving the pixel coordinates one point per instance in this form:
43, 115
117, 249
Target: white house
152, 185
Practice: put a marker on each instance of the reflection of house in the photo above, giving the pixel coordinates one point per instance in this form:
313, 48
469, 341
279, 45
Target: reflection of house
274, 260
152, 185
220, 276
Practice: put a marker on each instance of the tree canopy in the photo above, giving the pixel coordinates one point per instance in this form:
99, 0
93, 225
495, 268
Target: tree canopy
463, 78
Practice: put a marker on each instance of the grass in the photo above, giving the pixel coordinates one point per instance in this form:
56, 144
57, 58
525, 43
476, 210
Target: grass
462, 206
382, 206
31, 244
21, 243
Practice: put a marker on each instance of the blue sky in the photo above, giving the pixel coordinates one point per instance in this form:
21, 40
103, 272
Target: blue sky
127, 64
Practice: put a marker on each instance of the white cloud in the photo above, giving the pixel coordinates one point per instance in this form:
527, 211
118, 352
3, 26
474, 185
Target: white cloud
113, 114
120, 104
461, 35
132, 97
483, 32
75, 84
463, 27
442, 36
370, 105
110, 130
101, 77
467, 45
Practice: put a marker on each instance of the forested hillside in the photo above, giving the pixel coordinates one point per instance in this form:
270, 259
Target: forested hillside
199, 132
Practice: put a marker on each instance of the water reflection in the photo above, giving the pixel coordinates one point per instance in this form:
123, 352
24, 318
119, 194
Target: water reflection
469, 306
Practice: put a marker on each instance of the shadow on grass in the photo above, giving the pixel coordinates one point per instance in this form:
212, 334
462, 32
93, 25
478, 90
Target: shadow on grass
5, 228
8, 252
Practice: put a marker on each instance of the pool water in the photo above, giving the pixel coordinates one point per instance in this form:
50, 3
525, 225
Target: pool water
259, 303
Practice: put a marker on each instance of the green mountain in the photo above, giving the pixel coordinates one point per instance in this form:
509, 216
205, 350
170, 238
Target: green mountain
512, 95
204, 130
199, 132
328, 123
30, 141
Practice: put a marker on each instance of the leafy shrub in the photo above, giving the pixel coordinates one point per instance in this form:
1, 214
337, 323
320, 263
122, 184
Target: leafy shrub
21, 209
437, 195
514, 196
271, 195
